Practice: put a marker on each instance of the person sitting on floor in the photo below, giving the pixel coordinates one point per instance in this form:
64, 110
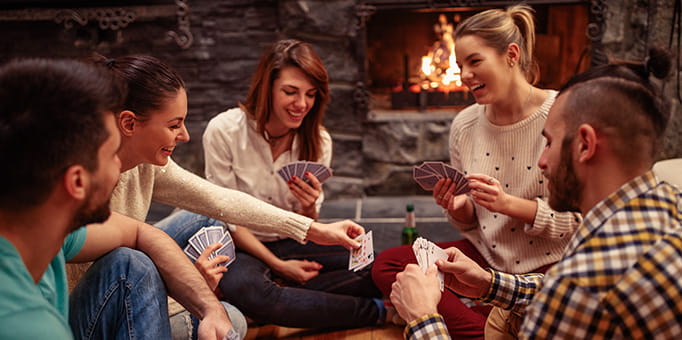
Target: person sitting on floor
619, 277
58, 150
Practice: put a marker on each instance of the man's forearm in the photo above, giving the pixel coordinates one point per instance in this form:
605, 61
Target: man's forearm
183, 280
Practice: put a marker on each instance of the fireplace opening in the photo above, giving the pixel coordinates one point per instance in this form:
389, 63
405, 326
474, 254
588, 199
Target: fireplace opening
411, 62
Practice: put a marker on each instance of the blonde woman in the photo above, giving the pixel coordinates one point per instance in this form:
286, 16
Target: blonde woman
505, 219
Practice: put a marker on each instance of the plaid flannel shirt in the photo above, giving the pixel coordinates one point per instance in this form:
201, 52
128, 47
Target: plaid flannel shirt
620, 277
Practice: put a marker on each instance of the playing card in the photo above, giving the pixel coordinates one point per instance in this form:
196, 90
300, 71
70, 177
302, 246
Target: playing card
436, 167
428, 182
228, 250
320, 171
363, 256
203, 238
207, 236
191, 252
324, 174
214, 234
420, 172
427, 175
427, 253
283, 174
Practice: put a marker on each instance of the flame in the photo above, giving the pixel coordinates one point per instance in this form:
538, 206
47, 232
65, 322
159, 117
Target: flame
437, 71
426, 65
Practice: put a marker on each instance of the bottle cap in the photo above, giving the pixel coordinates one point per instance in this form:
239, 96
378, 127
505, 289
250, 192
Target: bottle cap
409, 207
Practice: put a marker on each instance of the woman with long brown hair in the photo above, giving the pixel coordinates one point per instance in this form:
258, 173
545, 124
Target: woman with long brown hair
280, 122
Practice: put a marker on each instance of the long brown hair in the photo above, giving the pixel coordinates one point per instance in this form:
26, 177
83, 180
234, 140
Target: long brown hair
499, 28
258, 103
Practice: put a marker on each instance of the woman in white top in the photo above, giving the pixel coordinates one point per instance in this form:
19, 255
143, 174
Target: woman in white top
151, 125
280, 122
505, 219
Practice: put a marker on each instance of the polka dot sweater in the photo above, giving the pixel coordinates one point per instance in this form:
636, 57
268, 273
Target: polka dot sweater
510, 154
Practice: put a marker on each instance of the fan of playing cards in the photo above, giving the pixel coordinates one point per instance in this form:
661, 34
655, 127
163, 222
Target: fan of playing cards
300, 168
427, 253
207, 236
363, 256
428, 173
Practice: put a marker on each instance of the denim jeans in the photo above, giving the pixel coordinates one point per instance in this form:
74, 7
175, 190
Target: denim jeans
337, 298
180, 226
122, 296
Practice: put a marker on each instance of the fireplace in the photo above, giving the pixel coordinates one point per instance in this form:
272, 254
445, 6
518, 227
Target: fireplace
372, 49
410, 52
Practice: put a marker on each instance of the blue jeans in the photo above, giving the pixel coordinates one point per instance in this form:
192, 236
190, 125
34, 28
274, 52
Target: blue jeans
337, 298
122, 296
180, 226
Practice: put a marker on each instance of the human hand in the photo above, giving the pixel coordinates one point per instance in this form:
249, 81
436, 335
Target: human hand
306, 194
443, 194
458, 206
415, 293
214, 325
211, 270
298, 270
488, 192
463, 275
341, 233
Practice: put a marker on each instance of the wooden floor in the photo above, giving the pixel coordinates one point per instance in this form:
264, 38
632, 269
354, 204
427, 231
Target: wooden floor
367, 333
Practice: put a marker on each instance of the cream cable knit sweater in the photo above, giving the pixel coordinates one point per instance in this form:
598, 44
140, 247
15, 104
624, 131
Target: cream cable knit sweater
178, 187
510, 154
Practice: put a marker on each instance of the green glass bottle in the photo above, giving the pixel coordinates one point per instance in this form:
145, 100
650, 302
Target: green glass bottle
409, 233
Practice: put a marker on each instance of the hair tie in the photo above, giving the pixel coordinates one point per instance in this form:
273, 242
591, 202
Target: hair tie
109, 62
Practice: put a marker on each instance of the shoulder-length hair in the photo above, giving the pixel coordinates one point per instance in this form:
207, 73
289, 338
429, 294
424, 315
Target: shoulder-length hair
258, 103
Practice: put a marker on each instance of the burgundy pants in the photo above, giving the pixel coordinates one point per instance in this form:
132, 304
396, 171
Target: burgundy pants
462, 322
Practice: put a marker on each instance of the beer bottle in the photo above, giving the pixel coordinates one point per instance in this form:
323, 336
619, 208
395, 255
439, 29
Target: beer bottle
409, 233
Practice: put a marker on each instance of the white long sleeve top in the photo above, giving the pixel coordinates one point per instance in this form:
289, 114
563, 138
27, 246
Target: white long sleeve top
237, 157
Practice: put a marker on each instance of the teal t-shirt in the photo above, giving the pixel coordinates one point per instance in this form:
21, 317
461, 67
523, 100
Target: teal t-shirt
30, 311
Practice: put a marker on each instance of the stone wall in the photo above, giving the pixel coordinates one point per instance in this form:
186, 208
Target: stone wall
632, 27
373, 154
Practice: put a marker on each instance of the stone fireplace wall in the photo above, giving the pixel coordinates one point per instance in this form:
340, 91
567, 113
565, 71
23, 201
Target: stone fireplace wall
373, 153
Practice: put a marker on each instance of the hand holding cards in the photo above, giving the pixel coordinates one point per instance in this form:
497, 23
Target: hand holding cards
427, 253
298, 169
207, 236
363, 256
428, 173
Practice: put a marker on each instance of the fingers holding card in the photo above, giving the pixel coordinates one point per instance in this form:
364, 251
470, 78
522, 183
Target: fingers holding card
364, 255
427, 253
207, 236
320, 171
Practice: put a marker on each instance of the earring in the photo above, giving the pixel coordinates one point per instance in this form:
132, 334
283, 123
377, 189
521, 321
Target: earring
511, 63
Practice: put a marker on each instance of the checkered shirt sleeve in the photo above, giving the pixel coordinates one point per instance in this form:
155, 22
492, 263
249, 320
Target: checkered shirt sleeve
509, 290
430, 326
620, 275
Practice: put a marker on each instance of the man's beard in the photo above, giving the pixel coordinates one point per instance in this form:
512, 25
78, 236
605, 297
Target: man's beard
565, 189
87, 214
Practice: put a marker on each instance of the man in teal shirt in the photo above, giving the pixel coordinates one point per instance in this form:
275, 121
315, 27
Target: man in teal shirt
58, 144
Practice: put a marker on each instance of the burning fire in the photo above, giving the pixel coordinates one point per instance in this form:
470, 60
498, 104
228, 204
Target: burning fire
439, 70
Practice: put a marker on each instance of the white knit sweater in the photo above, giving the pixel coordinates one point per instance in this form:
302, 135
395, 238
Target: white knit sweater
510, 154
178, 187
